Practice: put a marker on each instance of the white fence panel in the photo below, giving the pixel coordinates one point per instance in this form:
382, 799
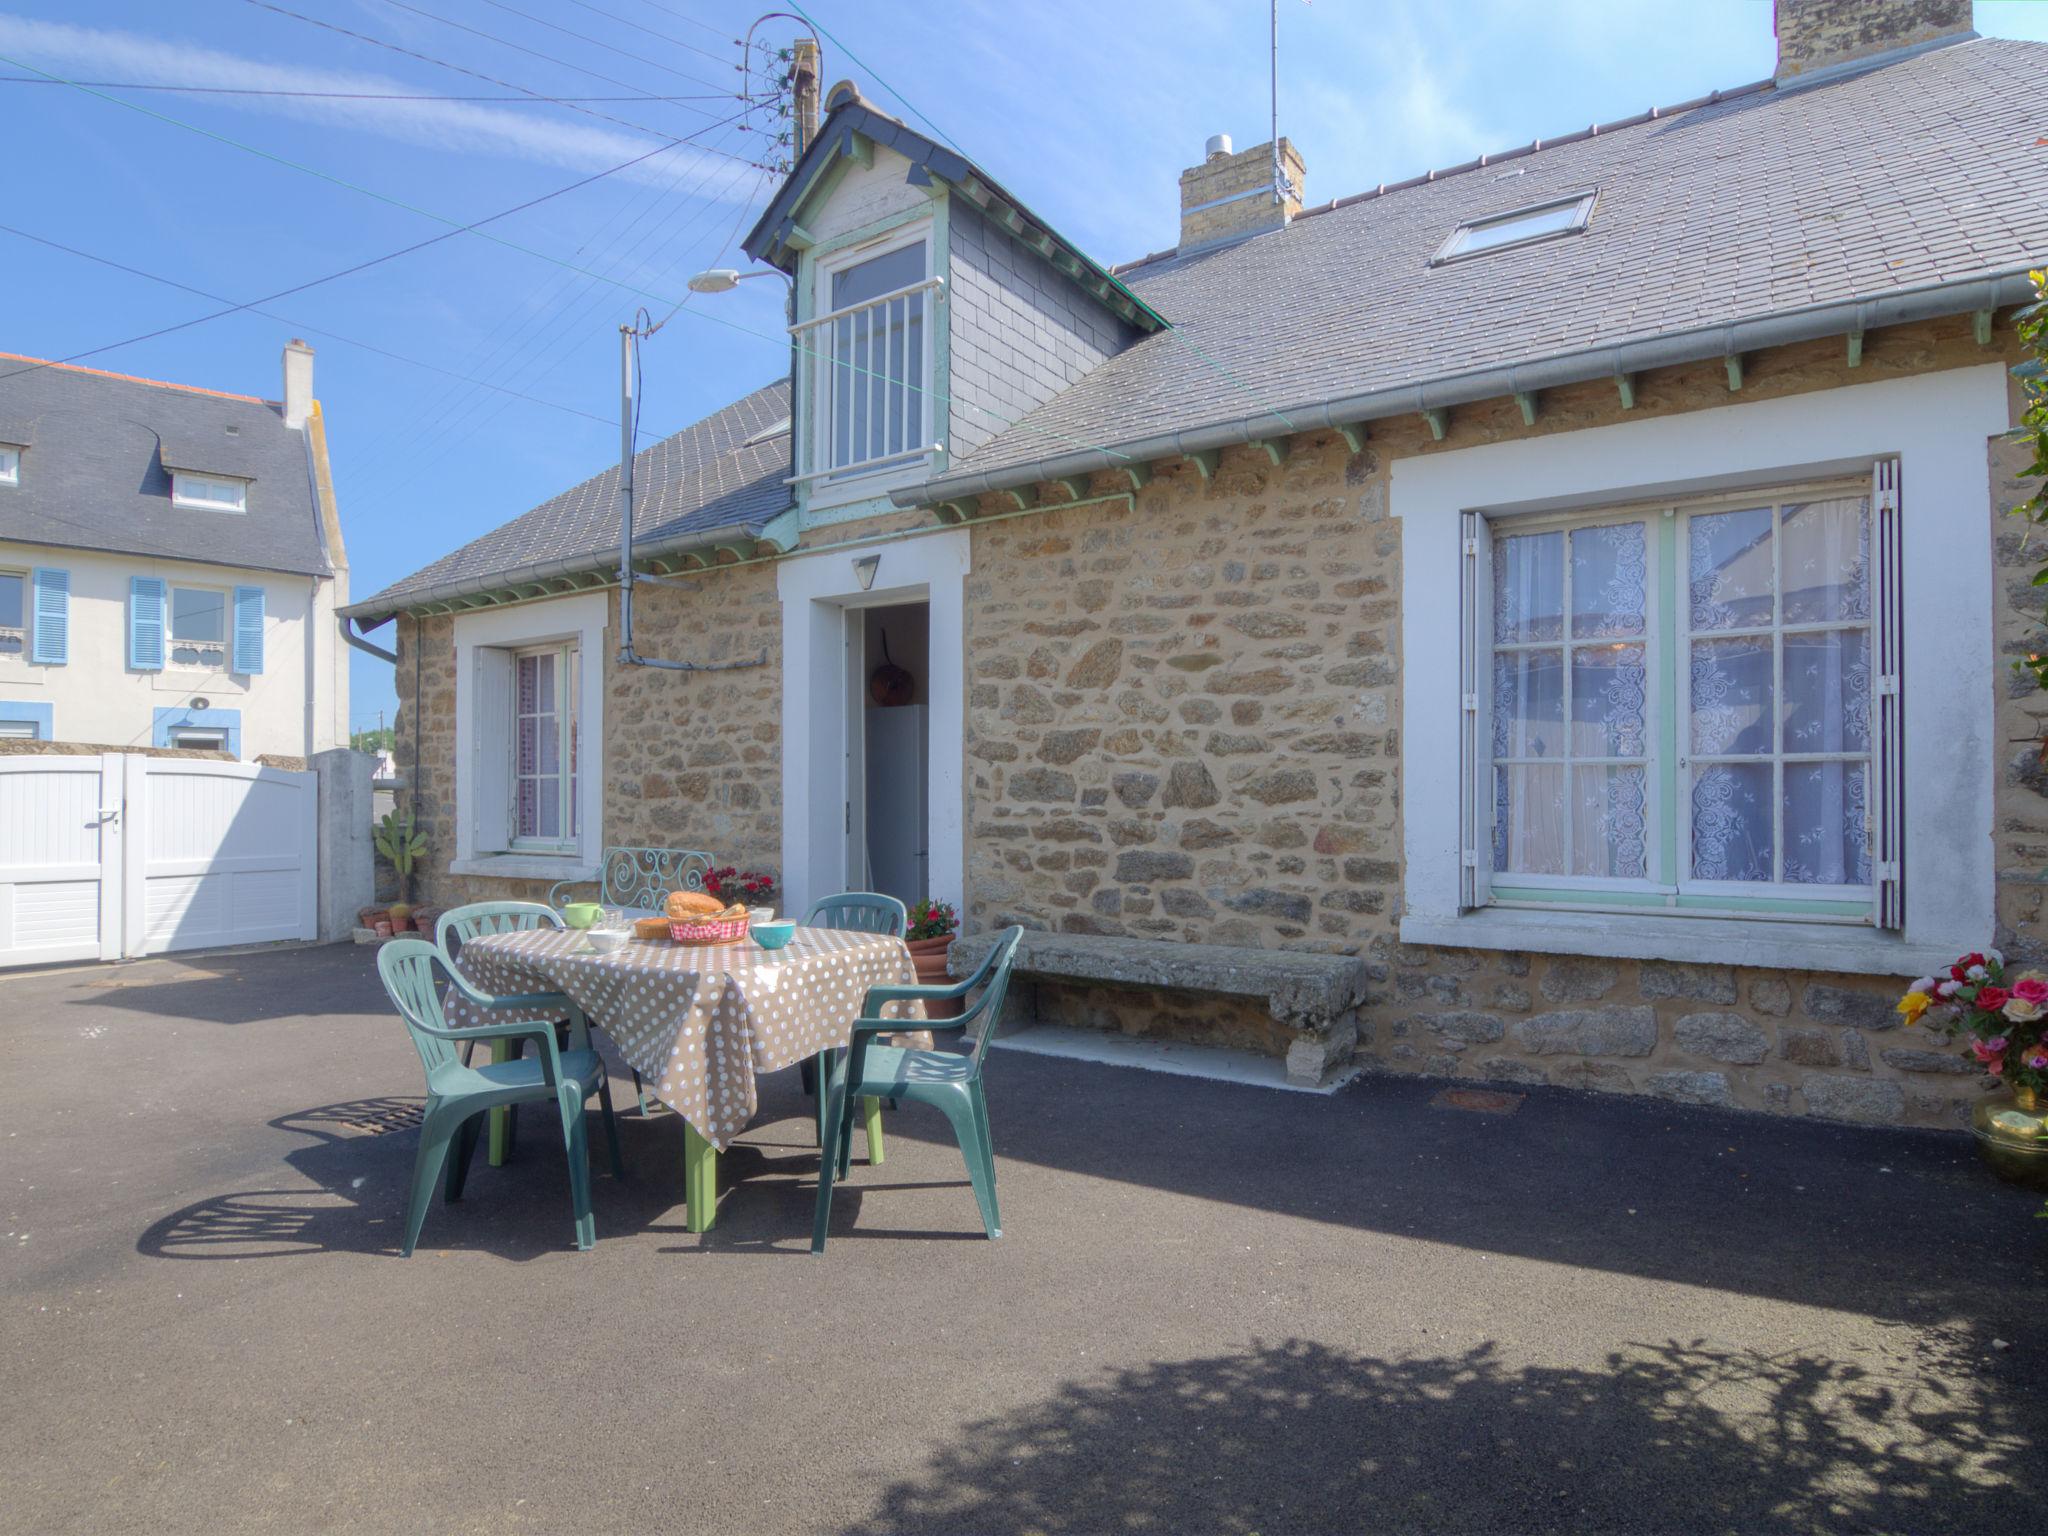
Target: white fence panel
219, 853
60, 859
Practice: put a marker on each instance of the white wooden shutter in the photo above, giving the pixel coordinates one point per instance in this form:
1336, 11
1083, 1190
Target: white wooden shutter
1474, 819
490, 747
1888, 757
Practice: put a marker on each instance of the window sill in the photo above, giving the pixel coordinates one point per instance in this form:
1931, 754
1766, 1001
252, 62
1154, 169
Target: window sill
1775, 945
526, 866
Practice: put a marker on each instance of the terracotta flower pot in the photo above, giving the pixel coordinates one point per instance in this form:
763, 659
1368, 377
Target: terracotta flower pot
370, 917
929, 956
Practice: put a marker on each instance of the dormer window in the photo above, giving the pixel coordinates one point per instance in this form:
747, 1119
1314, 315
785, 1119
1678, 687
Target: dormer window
867, 359
209, 493
1524, 226
10, 466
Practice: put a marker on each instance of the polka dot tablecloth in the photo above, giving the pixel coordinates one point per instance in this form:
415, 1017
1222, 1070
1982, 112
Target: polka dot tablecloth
698, 1022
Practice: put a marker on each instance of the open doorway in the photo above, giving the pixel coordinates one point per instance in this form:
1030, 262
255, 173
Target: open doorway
889, 751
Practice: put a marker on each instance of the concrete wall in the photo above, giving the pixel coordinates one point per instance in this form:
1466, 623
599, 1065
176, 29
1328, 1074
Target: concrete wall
288, 708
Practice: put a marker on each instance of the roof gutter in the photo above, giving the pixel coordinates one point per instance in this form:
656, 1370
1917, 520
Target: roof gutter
1847, 317
601, 562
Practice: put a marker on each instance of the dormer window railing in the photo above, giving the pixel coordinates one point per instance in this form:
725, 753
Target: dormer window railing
868, 361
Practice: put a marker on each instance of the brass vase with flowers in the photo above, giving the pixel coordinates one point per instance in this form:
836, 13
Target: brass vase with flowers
2004, 1023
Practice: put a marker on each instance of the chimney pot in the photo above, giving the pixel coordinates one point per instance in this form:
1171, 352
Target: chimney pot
1219, 144
298, 383
1816, 36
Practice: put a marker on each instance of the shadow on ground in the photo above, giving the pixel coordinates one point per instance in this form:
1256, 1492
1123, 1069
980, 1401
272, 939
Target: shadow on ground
1299, 1437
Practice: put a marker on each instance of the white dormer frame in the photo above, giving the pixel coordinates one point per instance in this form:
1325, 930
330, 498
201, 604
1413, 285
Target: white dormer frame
819, 487
209, 493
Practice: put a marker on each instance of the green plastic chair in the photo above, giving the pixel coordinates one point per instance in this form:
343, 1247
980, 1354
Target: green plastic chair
465, 923
860, 912
852, 912
949, 1082
458, 1096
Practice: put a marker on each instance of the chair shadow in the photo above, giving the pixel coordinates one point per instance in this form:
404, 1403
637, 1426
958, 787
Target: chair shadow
1304, 1437
357, 1170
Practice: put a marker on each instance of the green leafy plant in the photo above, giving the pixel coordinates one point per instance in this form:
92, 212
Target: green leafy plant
398, 841
932, 920
2032, 324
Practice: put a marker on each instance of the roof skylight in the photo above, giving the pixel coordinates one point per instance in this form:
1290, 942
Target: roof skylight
1544, 221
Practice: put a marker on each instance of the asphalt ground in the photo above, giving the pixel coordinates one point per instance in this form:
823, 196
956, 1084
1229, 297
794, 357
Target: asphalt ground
1214, 1309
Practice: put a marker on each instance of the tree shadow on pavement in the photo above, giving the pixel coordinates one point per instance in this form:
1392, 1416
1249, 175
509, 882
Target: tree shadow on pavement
1300, 1437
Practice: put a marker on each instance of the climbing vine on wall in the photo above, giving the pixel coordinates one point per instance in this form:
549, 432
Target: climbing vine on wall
2032, 324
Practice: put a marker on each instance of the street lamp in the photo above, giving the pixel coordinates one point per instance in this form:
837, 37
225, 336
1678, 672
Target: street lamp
725, 279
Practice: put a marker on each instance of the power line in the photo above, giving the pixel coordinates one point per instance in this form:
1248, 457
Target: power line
240, 90
299, 325
540, 255
473, 228
503, 42
460, 69
665, 37
685, 16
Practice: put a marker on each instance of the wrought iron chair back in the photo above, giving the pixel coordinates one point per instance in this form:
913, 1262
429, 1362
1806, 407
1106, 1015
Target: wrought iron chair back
636, 877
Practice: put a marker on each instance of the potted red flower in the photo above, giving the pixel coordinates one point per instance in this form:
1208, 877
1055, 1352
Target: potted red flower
750, 887
930, 936
2004, 1020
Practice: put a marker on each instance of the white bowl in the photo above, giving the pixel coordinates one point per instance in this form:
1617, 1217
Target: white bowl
760, 915
605, 941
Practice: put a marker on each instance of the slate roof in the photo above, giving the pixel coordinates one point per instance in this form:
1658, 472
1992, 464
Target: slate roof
725, 471
94, 474
1925, 170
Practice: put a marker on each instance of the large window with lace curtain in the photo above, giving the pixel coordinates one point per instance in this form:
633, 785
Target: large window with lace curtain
1682, 705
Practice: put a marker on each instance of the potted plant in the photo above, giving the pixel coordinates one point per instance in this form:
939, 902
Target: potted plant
930, 936
399, 843
2004, 1020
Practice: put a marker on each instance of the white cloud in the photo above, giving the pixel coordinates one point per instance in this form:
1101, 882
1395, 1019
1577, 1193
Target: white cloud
536, 134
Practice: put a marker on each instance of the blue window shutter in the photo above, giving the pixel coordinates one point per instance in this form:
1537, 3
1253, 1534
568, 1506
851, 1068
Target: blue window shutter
52, 633
146, 623
248, 629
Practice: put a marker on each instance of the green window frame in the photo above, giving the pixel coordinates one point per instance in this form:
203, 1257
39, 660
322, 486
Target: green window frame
1629, 810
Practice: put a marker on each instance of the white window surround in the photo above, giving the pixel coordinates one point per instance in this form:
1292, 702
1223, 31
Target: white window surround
581, 620
816, 592
209, 493
1938, 425
823, 493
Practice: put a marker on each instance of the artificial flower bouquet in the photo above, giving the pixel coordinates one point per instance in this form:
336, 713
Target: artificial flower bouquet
2005, 1018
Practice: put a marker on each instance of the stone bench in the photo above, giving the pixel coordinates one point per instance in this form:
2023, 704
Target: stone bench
1313, 998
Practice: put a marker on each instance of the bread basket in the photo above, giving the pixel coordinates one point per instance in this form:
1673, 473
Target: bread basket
709, 930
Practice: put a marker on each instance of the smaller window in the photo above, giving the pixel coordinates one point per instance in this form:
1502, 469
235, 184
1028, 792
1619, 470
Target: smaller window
199, 628
205, 738
13, 613
1566, 216
213, 493
17, 730
10, 466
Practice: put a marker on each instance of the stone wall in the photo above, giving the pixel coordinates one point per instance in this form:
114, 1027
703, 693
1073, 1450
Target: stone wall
1183, 723
692, 760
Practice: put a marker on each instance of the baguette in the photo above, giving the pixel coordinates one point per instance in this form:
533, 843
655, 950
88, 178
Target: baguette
684, 905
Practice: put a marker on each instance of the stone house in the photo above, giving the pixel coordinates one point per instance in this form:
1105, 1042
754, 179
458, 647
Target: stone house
1570, 588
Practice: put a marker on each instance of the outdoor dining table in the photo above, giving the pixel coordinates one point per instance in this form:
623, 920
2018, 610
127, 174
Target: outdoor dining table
699, 1022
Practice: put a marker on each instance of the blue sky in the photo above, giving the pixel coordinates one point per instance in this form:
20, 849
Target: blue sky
1089, 111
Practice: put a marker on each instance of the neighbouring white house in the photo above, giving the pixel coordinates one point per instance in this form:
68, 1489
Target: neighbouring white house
170, 563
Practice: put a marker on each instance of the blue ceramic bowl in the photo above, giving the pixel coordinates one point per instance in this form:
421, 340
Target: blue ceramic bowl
773, 935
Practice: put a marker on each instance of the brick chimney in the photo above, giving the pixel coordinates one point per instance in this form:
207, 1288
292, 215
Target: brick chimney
298, 383
1231, 196
1826, 35
803, 86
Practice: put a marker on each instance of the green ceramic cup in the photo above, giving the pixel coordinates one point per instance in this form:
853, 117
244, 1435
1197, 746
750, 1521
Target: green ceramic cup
581, 914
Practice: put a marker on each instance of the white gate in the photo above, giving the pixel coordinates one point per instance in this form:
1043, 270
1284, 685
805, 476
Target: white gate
123, 855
